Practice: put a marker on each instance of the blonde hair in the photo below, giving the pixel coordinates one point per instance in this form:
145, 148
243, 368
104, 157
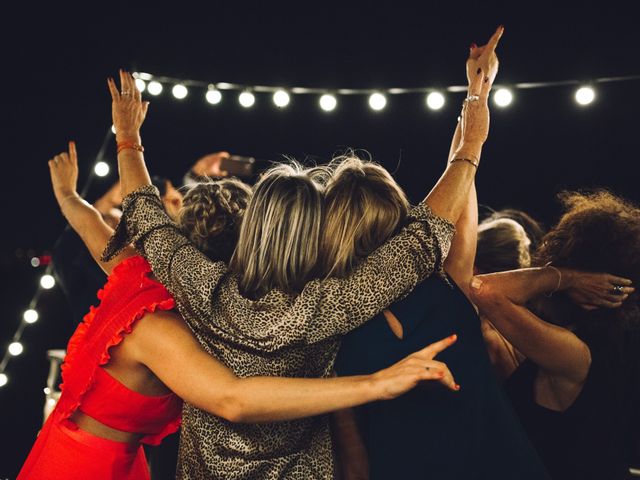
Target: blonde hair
502, 245
278, 243
363, 207
211, 216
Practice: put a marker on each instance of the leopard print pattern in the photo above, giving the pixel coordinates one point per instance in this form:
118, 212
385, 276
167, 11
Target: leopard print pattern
276, 335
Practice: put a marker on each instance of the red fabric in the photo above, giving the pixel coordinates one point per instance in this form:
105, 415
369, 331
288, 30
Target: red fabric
64, 451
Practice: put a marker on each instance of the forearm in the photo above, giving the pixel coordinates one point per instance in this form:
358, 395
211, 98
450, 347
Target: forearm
87, 222
520, 286
449, 196
131, 166
272, 399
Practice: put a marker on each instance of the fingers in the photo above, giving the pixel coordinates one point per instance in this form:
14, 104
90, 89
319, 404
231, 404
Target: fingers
619, 281
124, 87
73, 154
437, 347
113, 89
440, 372
495, 38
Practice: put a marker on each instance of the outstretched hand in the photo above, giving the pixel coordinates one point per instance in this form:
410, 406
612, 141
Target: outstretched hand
417, 367
482, 65
210, 165
127, 108
64, 174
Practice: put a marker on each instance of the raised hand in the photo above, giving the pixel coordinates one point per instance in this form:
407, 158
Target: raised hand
209, 165
482, 65
63, 169
417, 367
594, 290
127, 108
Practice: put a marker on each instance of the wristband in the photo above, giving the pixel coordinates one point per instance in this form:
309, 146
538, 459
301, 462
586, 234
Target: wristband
130, 145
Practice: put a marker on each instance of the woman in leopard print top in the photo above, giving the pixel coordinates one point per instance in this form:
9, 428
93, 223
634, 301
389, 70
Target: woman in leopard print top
279, 333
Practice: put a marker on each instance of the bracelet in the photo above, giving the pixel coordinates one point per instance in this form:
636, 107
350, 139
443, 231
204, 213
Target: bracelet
559, 279
473, 162
129, 145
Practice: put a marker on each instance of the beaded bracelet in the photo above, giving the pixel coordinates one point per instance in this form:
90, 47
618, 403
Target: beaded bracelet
130, 145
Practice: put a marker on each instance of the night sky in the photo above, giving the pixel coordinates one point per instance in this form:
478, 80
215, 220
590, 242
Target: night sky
56, 60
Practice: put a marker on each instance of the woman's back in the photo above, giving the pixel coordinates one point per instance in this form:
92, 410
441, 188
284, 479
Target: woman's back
432, 432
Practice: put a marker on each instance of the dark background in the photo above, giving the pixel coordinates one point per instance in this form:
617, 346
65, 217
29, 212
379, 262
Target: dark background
56, 59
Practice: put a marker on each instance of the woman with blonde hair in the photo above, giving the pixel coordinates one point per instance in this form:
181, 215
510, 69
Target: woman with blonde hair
268, 314
132, 358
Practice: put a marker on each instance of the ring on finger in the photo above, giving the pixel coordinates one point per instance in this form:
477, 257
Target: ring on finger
125, 93
472, 98
617, 290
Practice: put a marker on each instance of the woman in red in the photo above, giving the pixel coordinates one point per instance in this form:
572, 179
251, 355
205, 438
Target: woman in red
132, 360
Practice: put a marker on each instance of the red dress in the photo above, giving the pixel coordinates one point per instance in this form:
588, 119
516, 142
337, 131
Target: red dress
62, 450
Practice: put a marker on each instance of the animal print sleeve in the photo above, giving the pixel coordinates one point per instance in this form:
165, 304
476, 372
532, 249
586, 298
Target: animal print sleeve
385, 276
187, 273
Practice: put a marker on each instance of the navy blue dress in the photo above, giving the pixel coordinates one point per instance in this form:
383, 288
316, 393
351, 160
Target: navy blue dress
432, 432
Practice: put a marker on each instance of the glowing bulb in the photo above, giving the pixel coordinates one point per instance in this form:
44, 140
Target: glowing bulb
3, 379
213, 96
101, 169
435, 100
35, 262
47, 281
15, 348
246, 99
154, 88
503, 97
179, 91
30, 316
140, 85
585, 95
47, 391
113, 129
328, 102
281, 98
377, 101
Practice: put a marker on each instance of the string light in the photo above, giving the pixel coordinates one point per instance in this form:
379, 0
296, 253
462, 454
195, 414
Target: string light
213, 95
101, 169
140, 85
15, 348
503, 97
154, 88
377, 101
281, 98
179, 91
585, 95
30, 316
113, 129
47, 281
247, 99
328, 102
3, 379
35, 262
435, 100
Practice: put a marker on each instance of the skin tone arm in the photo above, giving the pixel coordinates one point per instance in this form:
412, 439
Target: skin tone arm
558, 351
449, 198
85, 219
164, 344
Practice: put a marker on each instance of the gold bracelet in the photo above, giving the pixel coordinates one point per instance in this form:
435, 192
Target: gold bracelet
473, 162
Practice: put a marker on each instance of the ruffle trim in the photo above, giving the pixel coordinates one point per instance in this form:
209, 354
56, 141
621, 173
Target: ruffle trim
133, 268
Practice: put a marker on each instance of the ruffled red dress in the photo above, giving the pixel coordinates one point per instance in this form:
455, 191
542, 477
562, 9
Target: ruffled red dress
62, 450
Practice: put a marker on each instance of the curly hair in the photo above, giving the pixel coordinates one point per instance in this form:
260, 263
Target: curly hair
211, 216
599, 232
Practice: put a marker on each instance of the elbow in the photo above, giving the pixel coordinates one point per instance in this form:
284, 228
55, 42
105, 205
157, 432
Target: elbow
233, 409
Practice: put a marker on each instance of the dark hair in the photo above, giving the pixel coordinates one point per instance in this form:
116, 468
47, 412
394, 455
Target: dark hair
160, 183
211, 216
600, 232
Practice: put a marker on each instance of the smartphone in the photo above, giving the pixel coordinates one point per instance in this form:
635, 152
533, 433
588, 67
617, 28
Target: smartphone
238, 165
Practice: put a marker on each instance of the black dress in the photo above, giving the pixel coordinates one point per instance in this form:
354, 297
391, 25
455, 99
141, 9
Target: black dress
432, 432
593, 438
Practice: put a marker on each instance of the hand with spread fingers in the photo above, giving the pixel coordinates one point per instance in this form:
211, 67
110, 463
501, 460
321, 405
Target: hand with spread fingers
417, 367
597, 290
127, 108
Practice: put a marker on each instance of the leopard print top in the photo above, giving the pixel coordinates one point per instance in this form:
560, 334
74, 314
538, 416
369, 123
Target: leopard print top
276, 335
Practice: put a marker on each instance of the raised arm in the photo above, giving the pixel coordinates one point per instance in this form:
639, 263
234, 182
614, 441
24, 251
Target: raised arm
83, 217
167, 347
502, 297
449, 197
179, 265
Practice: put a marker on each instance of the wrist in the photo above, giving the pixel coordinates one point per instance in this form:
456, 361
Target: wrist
132, 136
469, 150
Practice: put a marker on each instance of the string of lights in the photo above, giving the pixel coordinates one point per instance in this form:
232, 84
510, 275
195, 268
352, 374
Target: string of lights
154, 85
47, 281
435, 98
